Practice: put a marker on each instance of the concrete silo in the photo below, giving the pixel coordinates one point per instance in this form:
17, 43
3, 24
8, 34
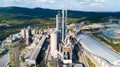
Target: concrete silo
53, 44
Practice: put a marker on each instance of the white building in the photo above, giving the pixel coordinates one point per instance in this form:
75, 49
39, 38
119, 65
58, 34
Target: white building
53, 44
67, 52
23, 34
26, 34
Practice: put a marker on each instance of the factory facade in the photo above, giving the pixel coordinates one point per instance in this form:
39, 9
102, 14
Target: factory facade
61, 24
60, 45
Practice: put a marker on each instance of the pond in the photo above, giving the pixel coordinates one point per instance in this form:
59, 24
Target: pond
110, 34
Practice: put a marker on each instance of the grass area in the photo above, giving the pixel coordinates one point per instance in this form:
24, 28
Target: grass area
90, 63
6, 33
79, 60
11, 58
22, 52
16, 24
42, 63
52, 64
22, 59
116, 47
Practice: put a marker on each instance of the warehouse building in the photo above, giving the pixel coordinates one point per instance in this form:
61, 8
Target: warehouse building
34, 57
98, 53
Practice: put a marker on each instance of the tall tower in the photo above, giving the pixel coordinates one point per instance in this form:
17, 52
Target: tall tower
59, 26
61, 22
28, 35
64, 24
23, 33
53, 44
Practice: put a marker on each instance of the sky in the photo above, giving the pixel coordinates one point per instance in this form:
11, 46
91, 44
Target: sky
81, 5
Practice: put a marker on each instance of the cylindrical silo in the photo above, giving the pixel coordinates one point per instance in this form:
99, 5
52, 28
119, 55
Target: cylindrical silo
53, 44
23, 34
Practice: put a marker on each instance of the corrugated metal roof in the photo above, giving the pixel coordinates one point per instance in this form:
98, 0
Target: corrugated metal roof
98, 49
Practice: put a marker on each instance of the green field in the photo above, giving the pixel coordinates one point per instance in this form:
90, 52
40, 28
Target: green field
16, 24
91, 64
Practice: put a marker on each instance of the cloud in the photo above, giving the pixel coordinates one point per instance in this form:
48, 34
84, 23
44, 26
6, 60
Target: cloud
13, 0
95, 4
100, 0
51, 1
8, 0
41, 0
89, 3
74, 4
98, 3
82, 3
46, 1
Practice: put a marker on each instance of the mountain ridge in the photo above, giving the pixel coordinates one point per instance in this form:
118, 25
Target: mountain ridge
50, 13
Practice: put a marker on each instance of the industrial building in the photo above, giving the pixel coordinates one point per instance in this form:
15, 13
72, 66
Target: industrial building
61, 22
53, 44
23, 33
65, 47
67, 54
98, 53
26, 34
37, 33
34, 57
60, 45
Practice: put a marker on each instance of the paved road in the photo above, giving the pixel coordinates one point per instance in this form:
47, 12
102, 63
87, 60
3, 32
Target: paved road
5, 60
16, 53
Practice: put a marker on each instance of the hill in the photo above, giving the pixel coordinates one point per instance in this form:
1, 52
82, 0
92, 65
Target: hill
19, 17
49, 13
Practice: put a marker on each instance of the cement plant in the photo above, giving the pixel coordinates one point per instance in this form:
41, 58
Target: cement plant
75, 45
